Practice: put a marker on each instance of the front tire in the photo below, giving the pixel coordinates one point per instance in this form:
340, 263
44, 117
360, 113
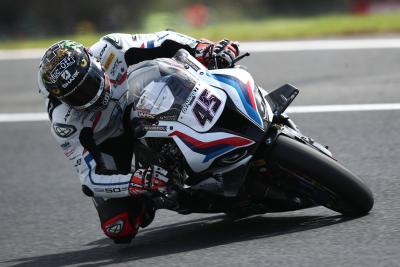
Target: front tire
351, 196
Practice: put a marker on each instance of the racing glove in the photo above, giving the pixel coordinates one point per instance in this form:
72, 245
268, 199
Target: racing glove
148, 181
218, 55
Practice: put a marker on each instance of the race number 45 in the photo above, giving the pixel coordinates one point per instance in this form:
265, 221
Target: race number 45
206, 107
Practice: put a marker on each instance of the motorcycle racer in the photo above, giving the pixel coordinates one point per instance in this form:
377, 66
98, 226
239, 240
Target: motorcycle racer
86, 99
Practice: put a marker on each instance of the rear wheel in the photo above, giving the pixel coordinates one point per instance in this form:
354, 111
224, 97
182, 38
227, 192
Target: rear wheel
333, 186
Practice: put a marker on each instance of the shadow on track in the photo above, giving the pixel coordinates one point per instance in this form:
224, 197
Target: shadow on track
181, 237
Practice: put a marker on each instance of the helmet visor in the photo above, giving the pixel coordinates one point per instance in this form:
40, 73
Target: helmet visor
88, 90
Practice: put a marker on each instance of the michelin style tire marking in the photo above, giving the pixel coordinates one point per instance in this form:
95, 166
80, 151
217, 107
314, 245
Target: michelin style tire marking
63, 130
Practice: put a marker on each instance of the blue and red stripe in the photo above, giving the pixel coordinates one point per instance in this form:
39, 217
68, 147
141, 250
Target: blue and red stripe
245, 92
214, 148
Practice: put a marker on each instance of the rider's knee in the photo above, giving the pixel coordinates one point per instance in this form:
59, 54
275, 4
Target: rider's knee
122, 228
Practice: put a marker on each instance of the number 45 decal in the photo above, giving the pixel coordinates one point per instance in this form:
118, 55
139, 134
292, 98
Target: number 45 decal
206, 106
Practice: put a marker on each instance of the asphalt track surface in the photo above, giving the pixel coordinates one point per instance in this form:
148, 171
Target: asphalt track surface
47, 221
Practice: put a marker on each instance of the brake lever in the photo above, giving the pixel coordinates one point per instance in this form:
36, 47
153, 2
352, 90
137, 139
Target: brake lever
239, 58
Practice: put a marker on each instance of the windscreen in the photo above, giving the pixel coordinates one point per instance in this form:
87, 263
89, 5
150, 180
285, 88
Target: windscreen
159, 82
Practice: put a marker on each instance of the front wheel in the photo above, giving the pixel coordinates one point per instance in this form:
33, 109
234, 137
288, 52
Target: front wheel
342, 190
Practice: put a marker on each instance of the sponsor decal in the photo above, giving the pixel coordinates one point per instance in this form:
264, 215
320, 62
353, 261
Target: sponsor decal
144, 113
167, 117
102, 51
51, 53
157, 128
66, 75
69, 152
115, 228
68, 114
121, 77
115, 66
170, 115
190, 64
187, 63
189, 100
66, 145
109, 60
60, 68
64, 130
116, 189
78, 163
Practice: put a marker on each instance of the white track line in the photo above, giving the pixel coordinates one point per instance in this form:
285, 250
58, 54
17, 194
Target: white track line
19, 117
21, 54
343, 108
27, 117
315, 45
271, 46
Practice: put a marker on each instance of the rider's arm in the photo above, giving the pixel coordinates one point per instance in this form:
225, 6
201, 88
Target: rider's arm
69, 134
117, 51
136, 48
159, 45
76, 141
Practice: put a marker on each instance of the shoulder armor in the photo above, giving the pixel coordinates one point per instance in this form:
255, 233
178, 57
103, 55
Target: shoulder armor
63, 120
63, 130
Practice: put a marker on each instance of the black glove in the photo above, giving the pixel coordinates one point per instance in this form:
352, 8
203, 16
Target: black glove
224, 53
218, 55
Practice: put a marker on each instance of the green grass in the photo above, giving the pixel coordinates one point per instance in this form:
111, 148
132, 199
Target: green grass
267, 29
296, 28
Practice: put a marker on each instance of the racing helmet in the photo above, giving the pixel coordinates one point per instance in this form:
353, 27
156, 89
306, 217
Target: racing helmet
71, 74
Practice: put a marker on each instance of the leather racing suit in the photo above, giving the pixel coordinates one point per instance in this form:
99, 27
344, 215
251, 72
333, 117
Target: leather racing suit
97, 144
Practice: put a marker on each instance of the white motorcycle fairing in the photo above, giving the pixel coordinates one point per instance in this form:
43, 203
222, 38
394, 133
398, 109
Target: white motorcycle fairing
188, 100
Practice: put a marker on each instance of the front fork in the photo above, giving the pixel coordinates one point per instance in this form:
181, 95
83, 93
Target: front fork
273, 182
283, 125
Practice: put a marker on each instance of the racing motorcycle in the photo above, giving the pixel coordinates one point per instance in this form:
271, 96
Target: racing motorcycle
229, 147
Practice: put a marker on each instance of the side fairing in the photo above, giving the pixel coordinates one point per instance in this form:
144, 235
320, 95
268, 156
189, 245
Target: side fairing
241, 88
200, 150
188, 107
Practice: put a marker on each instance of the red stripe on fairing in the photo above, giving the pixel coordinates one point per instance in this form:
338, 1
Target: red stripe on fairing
234, 141
142, 46
251, 96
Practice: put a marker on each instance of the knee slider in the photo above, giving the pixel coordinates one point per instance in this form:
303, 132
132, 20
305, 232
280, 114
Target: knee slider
120, 227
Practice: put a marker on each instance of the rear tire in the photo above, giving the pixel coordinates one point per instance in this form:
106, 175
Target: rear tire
353, 196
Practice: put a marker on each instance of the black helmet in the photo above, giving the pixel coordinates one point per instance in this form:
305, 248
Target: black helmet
71, 74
